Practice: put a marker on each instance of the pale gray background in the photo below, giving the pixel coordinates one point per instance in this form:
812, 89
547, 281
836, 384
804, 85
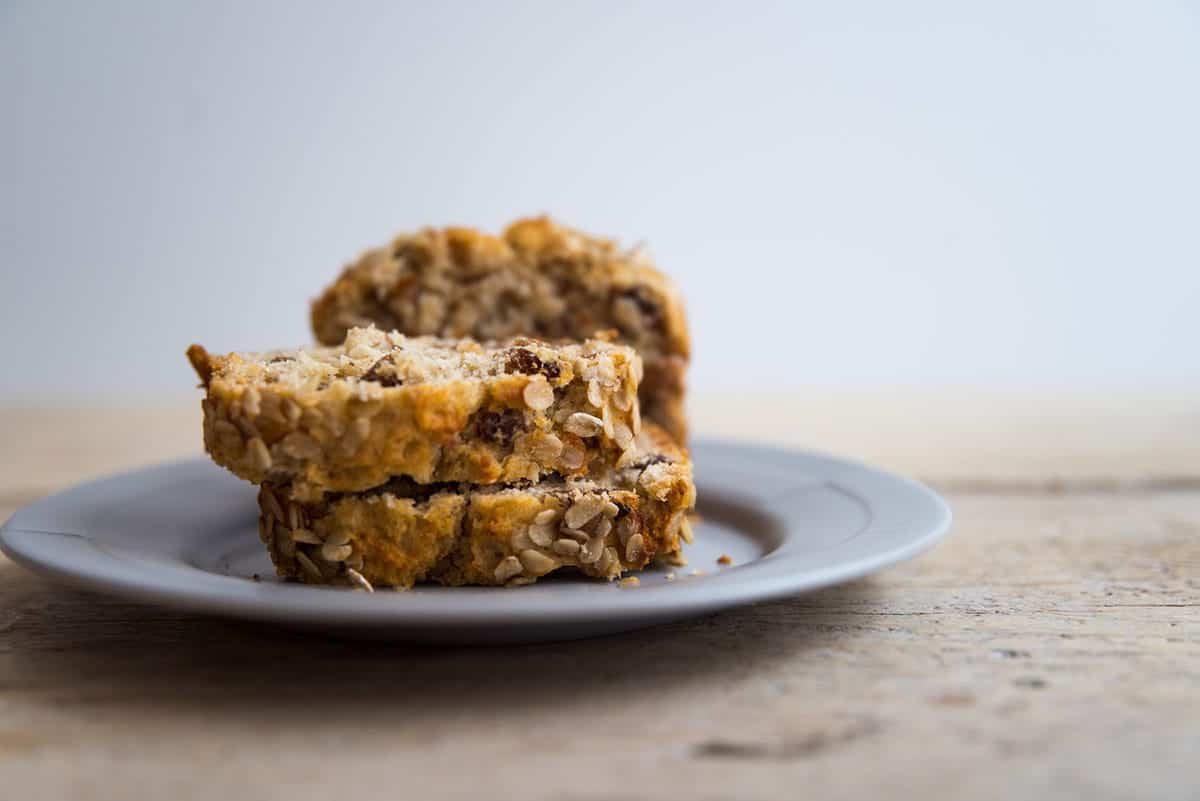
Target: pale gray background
880, 193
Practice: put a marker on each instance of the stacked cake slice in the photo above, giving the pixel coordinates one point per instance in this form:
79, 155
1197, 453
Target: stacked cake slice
403, 532
387, 460
379, 405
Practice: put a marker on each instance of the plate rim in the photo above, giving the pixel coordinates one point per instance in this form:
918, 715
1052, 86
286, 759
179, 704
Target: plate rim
285, 603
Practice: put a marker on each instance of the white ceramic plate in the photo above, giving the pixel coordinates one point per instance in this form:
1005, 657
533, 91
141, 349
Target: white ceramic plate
185, 535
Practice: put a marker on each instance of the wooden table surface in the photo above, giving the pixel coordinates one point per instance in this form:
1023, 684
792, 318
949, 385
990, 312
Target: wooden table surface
1049, 648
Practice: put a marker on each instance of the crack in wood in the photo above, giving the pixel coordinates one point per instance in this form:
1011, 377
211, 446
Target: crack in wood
1067, 486
785, 750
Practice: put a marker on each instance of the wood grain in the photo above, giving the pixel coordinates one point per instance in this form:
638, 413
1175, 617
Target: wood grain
1050, 648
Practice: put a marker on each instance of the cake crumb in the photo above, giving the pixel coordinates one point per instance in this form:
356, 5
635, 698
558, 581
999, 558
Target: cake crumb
675, 559
632, 581
670, 577
699, 572
255, 577
724, 559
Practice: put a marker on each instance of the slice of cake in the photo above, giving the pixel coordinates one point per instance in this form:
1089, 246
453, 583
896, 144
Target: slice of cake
539, 279
402, 532
379, 405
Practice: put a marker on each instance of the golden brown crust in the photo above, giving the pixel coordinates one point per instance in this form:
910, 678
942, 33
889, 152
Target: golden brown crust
539, 279
349, 418
401, 533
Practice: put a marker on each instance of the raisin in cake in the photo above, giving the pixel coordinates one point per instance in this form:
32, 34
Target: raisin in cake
539, 279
